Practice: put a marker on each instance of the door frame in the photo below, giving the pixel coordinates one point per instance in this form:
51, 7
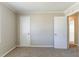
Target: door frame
75, 30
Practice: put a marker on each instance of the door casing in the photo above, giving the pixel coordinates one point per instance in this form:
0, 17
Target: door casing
75, 30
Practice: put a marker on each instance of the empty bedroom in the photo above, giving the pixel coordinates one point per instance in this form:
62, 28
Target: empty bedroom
39, 29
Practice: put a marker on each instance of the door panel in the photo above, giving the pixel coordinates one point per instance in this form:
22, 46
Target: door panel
25, 30
60, 33
41, 30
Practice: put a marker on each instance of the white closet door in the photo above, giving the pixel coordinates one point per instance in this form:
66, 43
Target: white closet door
41, 30
25, 31
60, 32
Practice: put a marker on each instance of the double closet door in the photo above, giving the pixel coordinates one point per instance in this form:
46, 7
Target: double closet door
43, 31
36, 31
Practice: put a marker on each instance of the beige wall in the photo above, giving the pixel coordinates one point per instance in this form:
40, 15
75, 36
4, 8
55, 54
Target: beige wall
7, 30
42, 24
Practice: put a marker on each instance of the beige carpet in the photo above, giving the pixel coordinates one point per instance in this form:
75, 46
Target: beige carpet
43, 52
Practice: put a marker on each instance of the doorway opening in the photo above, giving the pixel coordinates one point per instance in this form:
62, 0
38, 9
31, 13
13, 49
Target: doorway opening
72, 31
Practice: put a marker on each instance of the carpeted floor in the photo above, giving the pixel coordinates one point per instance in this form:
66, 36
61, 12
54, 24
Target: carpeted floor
43, 52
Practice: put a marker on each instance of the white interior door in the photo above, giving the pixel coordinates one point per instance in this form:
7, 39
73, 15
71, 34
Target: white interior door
25, 31
60, 32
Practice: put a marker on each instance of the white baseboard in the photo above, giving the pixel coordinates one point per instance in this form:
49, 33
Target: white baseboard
36, 46
8, 51
42, 46
22, 46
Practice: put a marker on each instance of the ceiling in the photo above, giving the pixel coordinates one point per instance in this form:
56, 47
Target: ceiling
29, 7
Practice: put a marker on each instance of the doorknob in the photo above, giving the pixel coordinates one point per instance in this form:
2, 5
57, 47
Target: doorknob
55, 34
28, 33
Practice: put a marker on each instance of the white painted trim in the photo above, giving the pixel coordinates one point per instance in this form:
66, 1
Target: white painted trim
8, 51
42, 46
71, 13
71, 7
71, 10
40, 12
36, 46
22, 46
